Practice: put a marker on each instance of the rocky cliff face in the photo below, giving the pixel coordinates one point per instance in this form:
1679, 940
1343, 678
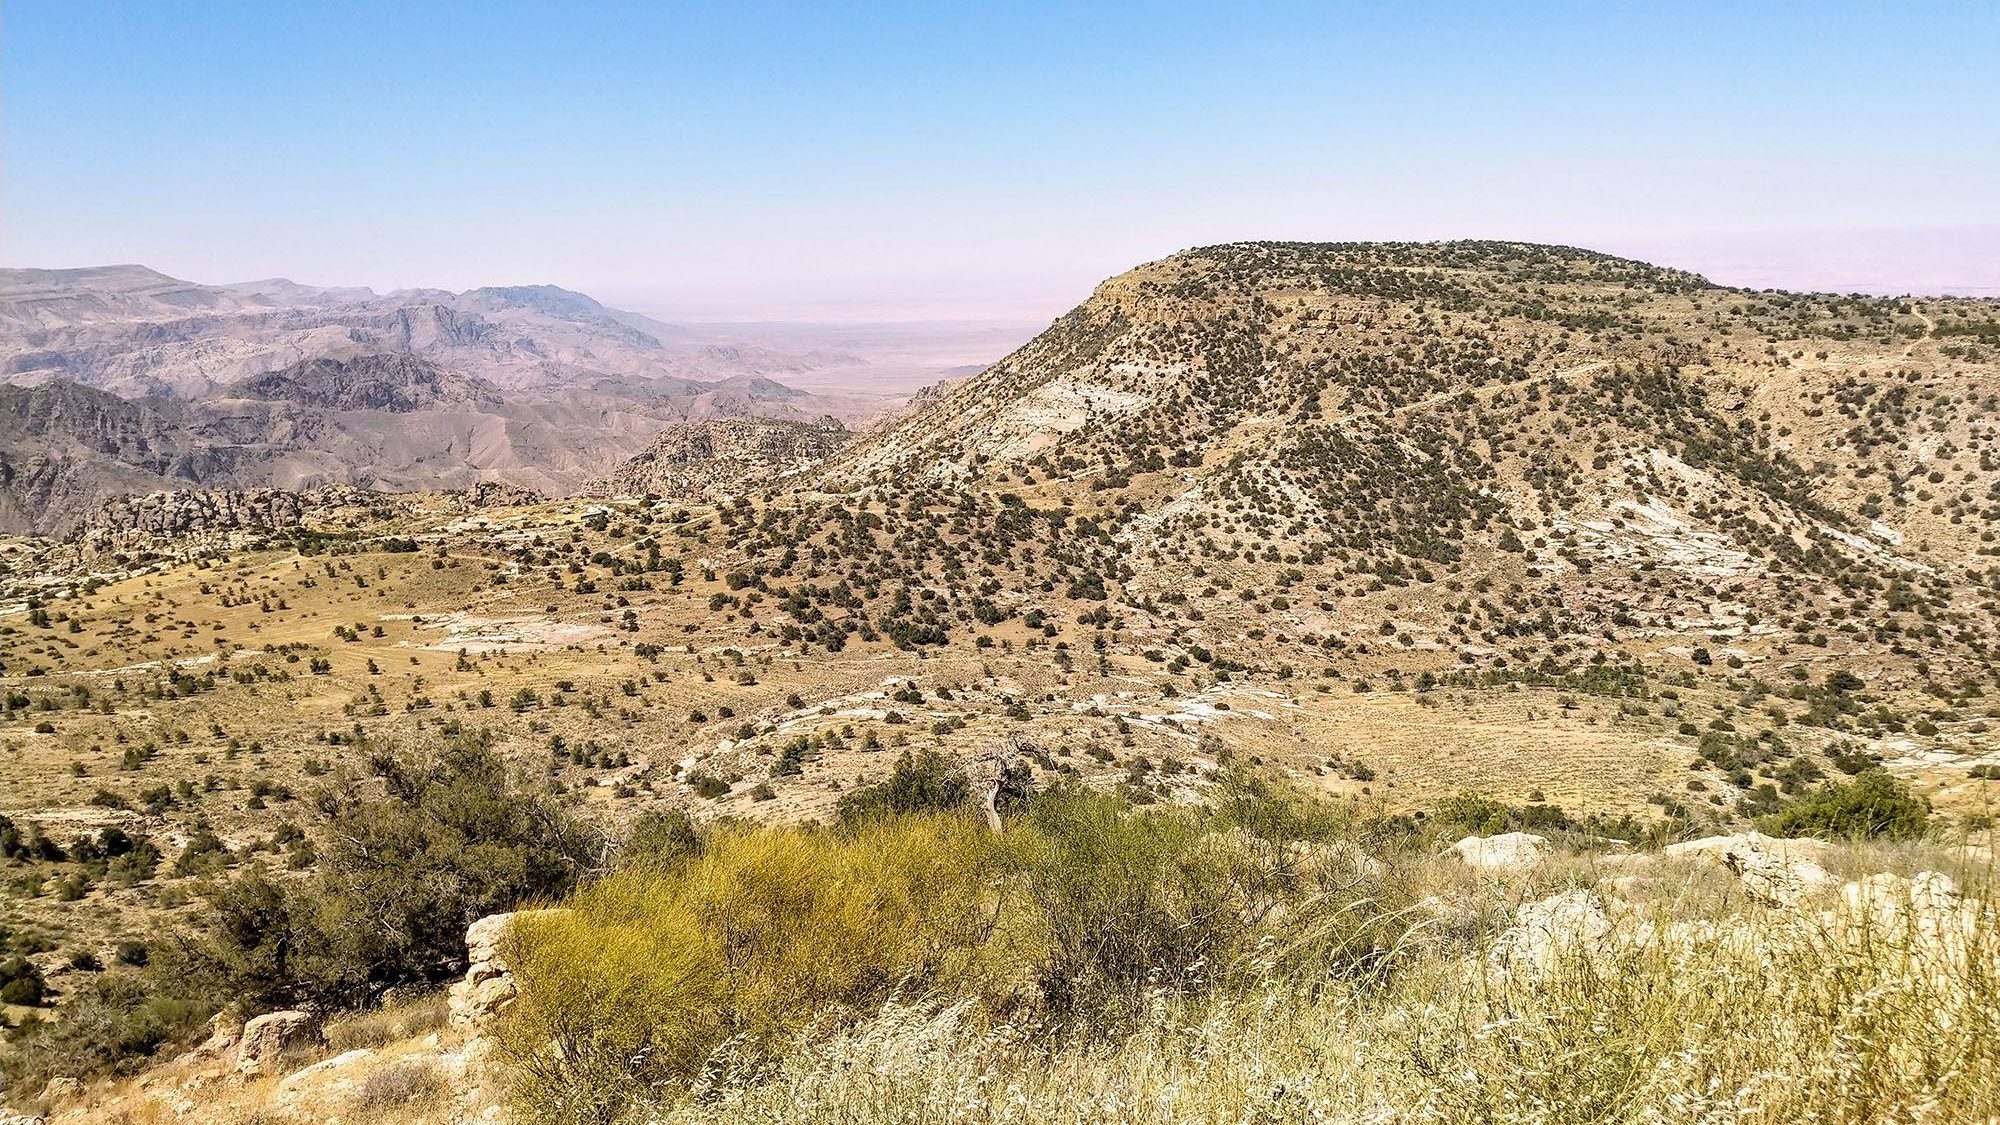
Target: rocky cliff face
64, 449
192, 523
390, 422
194, 513
133, 331
56, 413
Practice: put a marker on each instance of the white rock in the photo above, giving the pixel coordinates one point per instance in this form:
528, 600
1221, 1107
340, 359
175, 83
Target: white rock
1924, 910
267, 1038
488, 986
1506, 852
223, 1032
61, 1090
321, 1072
1777, 871
1544, 930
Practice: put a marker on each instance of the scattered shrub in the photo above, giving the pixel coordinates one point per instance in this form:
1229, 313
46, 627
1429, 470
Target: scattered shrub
925, 782
111, 1023
21, 983
661, 840
400, 878
1873, 804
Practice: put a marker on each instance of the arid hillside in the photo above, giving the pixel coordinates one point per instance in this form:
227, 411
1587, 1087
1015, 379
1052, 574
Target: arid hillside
723, 457
1389, 523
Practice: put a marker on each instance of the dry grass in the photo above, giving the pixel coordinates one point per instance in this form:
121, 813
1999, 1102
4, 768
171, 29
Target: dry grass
376, 1027
1370, 997
401, 1086
1793, 1024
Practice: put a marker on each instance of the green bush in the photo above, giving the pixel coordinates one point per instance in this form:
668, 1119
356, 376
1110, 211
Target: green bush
111, 1023
926, 782
1873, 804
661, 840
447, 840
1278, 816
1126, 902
1084, 911
28, 992
1477, 815
400, 878
21, 983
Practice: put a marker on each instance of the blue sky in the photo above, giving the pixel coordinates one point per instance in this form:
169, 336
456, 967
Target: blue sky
791, 159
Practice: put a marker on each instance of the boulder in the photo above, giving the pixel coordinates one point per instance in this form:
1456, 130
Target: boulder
1341, 859
224, 1029
488, 986
1777, 871
1925, 911
1802, 847
1509, 851
1922, 925
1934, 893
269, 1037
339, 1074
483, 938
477, 1000
1545, 930
61, 1091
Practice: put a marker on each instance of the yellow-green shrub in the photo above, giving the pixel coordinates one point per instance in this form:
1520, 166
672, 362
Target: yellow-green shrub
1126, 902
764, 932
1085, 911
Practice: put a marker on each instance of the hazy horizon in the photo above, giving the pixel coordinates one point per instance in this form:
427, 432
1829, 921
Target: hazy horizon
1948, 262
787, 162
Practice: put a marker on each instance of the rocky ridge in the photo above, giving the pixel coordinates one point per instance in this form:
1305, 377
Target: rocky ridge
721, 457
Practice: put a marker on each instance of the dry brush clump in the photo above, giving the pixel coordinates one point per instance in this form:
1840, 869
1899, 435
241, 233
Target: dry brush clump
1080, 915
1080, 918
760, 935
1259, 961
1656, 1028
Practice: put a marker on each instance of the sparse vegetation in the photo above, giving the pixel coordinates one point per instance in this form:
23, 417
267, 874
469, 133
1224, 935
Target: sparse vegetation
1270, 571
1100, 963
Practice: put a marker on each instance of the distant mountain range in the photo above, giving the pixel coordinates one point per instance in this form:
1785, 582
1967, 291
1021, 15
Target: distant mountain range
120, 379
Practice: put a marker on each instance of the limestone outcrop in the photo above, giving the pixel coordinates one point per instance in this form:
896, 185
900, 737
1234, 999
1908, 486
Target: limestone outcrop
1778, 871
269, 1037
488, 985
1508, 851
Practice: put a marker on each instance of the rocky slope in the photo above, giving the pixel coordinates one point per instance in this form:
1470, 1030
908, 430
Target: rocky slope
720, 457
394, 384
1385, 433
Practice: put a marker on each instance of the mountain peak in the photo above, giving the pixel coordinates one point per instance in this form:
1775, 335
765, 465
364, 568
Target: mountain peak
550, 299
